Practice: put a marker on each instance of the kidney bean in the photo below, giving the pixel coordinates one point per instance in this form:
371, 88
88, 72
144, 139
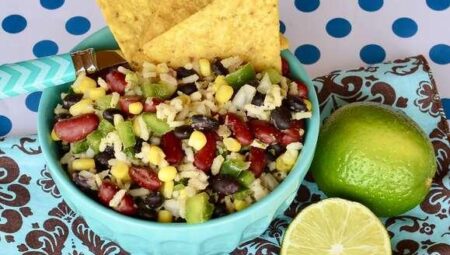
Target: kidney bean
150, 104
116, 82
187, 89
258, 161
76, 128
218, 68
285, 67
264, 131
125, 101
225, 185
71, 99
171, 146
295, 104
202, 122
239, 128
203, 158
281, 118
127, 205
302, 89
292, 134
183, 132
101, 160
183, 72
106, 192
145, 178
258, 99
108, 114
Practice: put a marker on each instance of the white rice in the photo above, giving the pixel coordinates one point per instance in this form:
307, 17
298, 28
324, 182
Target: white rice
139, 192
115, 201
190, 79
217, 164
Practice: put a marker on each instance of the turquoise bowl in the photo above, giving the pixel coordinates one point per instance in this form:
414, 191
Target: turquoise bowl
217, 236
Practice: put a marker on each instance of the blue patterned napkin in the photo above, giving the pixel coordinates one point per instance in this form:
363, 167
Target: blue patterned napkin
35, 219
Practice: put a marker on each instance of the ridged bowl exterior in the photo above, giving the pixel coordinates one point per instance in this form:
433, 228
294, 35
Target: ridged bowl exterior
218, 236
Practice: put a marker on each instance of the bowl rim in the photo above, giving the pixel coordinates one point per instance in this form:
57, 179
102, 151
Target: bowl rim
298, 170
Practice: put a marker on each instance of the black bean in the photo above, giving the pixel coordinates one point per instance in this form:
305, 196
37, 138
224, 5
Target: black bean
110, 150
254, 83
183, 132
281, 118
218, 68
225, 185
144, 210
188, 88
108, 114
295, 104
138, 146
101, 160
153, 200
220, 210
274, 151
62, 116
202, 122
258, 99
71, 99
183, 72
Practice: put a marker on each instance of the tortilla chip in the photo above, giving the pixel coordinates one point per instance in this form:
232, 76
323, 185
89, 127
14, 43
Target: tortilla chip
135, 22
225, 28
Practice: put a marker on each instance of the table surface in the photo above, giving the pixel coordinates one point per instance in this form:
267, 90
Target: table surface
325, 36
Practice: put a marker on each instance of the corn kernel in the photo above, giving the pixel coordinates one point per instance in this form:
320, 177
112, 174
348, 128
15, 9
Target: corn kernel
205, 67
185, 99
224, 93
232, 144
95, 93
167, 189
197, 140
156, 155
308, 104
82, 107
83, 83
83, 164
164, 216
55, 136
220, 80
120, 171
135, 108
167, 174
286, 161
240, 205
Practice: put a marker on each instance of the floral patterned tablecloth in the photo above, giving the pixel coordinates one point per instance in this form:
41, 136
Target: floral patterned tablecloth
36, 220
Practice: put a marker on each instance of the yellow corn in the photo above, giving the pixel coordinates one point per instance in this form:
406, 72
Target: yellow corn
164, 216
83, 83
136, 127
82, 107
220, 80
205, 67
167, 189
185, 99
224, 93
308, 104
135, 108
232, 144
83, 164
197, 140
286, 161
54, 136
120, 171
167, 173
240, 205
156, 155
95, 93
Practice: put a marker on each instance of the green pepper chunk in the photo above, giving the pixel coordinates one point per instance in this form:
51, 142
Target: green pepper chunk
159, 90
274, 75
233, 167
105, 127
126, 134
104, 102
198, 208
94, 139
240, 77
246, 178
242, 194
80, 146
158, 127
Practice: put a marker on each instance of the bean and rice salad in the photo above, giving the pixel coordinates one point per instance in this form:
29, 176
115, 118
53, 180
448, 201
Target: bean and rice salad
181, 144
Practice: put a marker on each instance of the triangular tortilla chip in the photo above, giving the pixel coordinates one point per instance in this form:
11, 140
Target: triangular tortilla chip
245, 28
135, 22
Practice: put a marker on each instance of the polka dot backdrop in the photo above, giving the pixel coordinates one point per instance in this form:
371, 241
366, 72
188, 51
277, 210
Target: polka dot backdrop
324, 35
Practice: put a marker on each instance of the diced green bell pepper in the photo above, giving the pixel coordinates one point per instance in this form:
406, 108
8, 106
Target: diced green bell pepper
240, 77
198, 208
159, 90
242, 194
159, 127
233, 167
105, 127
80, 146
94, 139
104, 102
179, 186
246, 178
126, 134
274, 75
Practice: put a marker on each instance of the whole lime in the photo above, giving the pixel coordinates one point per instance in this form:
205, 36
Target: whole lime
375, 155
